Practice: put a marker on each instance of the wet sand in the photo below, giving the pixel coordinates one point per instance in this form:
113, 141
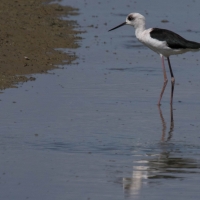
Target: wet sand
30, 31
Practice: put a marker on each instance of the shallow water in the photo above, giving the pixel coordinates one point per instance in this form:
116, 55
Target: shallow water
92, 130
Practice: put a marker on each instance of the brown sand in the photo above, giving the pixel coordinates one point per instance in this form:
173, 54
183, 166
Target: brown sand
29, 32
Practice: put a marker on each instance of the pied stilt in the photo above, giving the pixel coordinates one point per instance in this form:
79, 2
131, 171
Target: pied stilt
162, 41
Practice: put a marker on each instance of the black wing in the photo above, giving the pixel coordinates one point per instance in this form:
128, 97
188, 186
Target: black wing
173, 40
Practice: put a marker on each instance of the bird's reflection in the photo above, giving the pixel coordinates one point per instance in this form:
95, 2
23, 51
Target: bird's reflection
164, 124
165, 161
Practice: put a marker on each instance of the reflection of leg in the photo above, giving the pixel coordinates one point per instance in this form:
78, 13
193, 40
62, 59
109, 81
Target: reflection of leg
171, 123
172, 80
163, 124
165, 80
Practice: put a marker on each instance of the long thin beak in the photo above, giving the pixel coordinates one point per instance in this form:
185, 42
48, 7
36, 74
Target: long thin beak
118, 26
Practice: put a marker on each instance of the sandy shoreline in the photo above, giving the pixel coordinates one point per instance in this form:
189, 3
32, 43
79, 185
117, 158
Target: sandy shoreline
30, 31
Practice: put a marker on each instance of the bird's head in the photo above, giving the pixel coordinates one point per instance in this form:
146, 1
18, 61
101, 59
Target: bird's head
134, 19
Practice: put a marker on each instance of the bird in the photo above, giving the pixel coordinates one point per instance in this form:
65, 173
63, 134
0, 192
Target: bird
162, 41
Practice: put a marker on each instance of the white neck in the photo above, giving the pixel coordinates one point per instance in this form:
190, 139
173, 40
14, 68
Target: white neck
139, 28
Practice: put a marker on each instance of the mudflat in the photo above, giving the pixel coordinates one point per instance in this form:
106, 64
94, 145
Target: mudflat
29, 33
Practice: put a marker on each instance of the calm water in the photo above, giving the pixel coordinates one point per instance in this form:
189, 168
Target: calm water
92, 130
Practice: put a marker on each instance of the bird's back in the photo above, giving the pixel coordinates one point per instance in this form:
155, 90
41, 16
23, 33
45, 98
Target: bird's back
173, 40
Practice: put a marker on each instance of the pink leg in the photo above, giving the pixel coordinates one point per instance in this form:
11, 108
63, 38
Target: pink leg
165, 80
172, 80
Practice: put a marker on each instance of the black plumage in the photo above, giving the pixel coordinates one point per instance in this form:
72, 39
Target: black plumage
173, 40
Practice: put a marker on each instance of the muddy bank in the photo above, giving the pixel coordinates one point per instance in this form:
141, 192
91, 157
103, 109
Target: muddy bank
29, 33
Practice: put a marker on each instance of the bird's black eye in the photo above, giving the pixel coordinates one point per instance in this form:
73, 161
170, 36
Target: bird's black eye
130, 18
